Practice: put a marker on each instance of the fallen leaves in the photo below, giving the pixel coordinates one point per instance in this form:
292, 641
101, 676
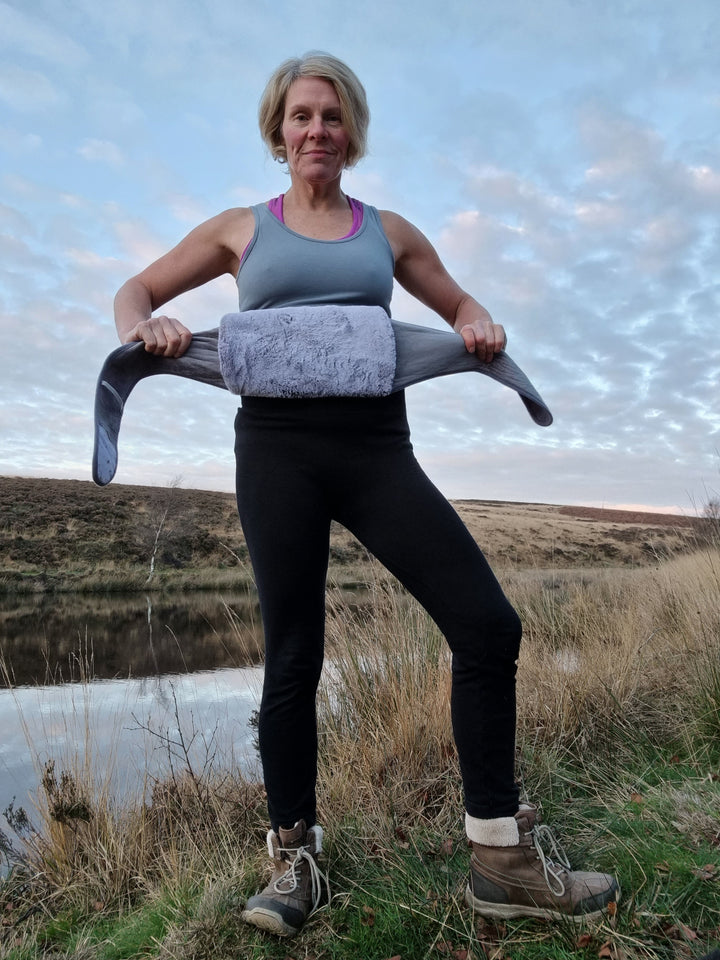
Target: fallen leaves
612, 951
446, 948
402, 838
608, 950
490, 933
368, 917
443, 851
679, 931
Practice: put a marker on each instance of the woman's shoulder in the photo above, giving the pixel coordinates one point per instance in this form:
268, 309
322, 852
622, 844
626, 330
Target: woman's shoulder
227, 220
401, 234
230, 230
231, 221
234, 215
394, 222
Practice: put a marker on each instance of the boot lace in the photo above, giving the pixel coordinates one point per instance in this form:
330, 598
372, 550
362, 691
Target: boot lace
289, 881
554, 869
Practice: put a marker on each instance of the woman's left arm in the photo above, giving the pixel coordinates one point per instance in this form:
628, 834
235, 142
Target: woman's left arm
421, 272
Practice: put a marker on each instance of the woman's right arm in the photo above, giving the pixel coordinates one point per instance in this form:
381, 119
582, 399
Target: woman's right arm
208, 251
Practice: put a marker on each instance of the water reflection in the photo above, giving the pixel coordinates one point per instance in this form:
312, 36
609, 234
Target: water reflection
159, 664
57, 638
104, 682
120, 729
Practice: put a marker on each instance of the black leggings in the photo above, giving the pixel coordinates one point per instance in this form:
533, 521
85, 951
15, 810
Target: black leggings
303, 463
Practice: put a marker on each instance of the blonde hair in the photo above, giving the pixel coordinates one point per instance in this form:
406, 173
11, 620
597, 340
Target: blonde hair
349, 90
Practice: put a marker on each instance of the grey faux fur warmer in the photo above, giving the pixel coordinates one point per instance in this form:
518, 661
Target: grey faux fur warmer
314, 351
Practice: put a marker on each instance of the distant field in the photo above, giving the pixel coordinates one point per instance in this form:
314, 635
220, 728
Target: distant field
71, 534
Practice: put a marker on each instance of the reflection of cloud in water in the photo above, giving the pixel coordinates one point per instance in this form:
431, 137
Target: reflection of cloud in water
107, 723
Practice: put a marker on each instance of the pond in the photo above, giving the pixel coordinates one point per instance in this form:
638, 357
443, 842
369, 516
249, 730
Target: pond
123, 684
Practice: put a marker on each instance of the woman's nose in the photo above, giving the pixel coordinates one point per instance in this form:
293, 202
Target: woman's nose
317, 127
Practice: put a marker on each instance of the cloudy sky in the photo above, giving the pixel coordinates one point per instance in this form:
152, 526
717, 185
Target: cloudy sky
563, 156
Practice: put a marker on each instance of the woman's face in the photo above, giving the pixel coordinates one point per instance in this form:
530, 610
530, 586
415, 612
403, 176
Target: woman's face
315, 138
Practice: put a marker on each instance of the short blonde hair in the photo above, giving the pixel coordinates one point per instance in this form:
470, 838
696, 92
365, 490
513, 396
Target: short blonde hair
350, 92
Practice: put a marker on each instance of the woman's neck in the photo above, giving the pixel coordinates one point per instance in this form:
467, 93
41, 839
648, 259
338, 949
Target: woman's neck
318, 197
321, 211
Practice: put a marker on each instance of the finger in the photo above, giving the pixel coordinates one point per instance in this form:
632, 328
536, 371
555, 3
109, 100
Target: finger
499, 337
494, 341
185, 341
176, 337
485, 341
468, 335
145, 333
488, 346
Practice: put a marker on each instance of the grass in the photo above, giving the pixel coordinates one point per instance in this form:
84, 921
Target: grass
619, 738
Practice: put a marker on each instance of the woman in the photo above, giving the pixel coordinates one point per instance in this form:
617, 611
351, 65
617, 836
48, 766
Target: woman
304, 462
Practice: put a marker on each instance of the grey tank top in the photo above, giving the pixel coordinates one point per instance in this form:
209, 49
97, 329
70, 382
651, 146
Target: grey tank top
282, 268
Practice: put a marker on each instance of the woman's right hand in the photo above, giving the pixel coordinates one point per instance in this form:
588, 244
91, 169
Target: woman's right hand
163, 336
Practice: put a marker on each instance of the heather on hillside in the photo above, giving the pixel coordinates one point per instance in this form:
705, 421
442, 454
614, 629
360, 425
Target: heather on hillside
69, 535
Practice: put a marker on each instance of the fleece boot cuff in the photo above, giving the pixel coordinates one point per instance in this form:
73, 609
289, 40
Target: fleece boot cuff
498, 832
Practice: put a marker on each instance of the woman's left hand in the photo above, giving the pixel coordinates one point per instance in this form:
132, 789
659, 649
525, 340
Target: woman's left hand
484, 338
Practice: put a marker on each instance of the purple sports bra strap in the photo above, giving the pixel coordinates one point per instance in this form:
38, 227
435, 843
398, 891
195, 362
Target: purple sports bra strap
275, 206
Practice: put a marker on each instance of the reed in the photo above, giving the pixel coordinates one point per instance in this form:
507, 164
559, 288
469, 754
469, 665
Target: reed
620, 651
384, 712
607, 655
618, 734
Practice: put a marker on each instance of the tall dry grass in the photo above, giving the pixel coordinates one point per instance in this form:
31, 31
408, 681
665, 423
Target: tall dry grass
615, 651
607, 656
384, 708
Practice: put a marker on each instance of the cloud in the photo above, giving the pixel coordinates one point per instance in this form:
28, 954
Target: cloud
34, 37
605, 281
560, 155
14, 141
102, 151
28, 90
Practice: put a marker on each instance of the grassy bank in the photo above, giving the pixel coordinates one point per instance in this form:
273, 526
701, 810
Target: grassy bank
619, 739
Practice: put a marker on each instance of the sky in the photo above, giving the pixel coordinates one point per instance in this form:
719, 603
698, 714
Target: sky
562, 155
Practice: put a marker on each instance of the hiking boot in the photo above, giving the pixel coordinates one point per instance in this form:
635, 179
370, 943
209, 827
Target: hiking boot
520, 880
296, 885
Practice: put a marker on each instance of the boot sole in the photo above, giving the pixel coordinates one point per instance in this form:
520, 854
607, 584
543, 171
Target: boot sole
510, 911
269, 921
